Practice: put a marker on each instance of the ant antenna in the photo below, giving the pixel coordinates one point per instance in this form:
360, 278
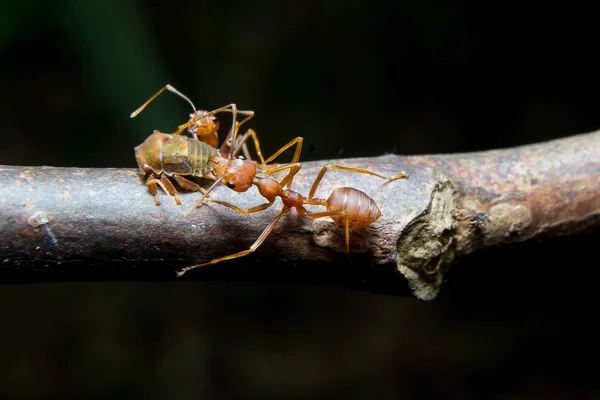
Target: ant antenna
170, 89
178, 93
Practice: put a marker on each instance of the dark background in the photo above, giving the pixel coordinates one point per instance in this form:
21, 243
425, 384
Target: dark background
354, 78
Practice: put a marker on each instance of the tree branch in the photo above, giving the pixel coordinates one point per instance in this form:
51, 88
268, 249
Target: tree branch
75, 223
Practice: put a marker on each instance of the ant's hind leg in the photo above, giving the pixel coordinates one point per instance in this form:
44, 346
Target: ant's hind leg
340, 213
327, 167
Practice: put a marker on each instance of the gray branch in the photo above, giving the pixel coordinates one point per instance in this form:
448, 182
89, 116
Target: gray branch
76, 223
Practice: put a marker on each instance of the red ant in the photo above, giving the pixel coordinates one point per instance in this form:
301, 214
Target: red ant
172, 155
346, 206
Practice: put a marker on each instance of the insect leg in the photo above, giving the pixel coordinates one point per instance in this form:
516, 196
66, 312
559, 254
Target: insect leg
241, 145
235, 126
151, 182
243, 210
346, 223
187, 184
201, 200
317, 181
166, 185
251, 133
298, 142
294, 168
252, 248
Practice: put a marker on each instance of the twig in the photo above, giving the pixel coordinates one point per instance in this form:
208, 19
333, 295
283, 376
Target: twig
62, 220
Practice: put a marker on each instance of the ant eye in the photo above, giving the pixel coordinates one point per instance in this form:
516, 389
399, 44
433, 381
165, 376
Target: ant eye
241, 158
230, 185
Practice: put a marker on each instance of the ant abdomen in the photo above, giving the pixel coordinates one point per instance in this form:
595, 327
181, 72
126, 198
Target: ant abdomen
361, 210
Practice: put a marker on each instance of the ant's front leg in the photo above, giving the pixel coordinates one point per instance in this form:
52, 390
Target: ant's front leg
242, 210
252, 248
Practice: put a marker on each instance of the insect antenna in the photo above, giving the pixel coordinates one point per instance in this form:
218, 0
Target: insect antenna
170, 89
178, 93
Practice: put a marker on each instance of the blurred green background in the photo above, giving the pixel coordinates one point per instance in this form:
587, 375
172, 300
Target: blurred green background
354, 78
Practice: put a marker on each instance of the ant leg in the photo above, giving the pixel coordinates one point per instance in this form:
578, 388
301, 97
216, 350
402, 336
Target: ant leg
292, 165
246, 152
241, 145
166, 185
235, 126
327, 167
187, 184
289, 178
226, 148
228, 108
252, 248
341, 213
298, 142
249, 115
233, 108
294, 168
200, 201
251, 133
242, 210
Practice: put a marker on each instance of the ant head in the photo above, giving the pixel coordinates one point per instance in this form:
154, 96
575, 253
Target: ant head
202, 123
239, 174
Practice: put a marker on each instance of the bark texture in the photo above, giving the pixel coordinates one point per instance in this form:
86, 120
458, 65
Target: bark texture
75, 223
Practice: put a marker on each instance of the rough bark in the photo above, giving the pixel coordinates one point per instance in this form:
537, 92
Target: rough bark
75, 223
